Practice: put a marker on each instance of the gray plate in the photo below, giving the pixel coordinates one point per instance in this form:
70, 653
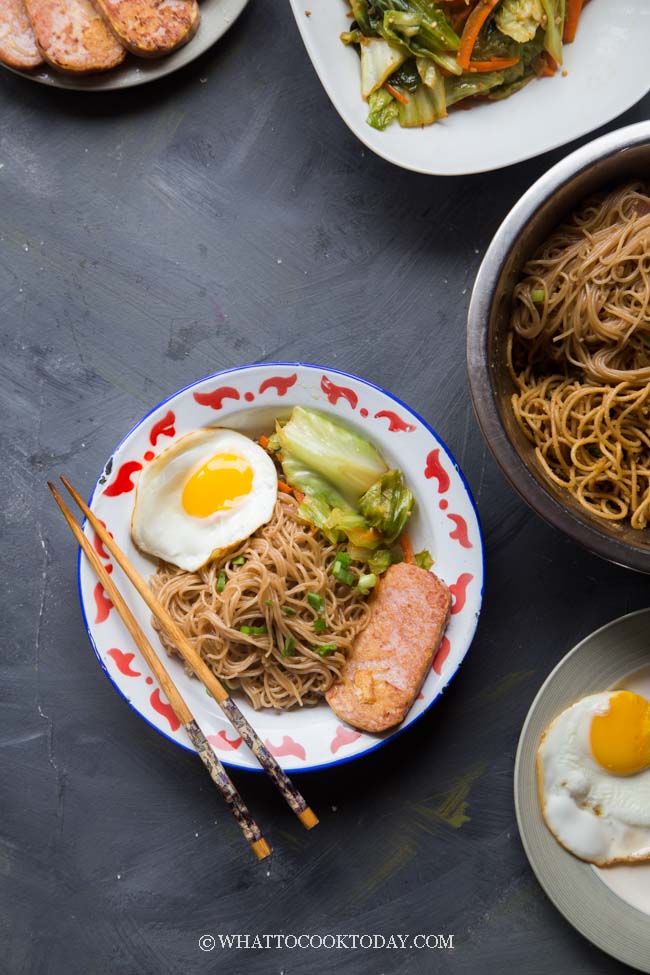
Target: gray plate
216, 17
595, 664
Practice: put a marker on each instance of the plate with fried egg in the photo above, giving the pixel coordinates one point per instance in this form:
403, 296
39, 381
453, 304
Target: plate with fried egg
316, 542
582, 788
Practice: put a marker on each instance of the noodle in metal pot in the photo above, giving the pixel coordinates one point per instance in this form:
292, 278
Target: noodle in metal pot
579, 355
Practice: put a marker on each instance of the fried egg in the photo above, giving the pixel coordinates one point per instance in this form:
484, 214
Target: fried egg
593, 772
207, 492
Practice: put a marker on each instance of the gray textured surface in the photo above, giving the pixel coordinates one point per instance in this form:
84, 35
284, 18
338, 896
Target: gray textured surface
140, 246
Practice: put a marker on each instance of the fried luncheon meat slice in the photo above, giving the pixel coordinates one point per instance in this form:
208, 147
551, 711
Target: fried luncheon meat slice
151, 28
18, 47
73, 36
393, 654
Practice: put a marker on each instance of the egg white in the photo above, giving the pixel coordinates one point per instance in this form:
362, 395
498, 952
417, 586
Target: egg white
161, 526
599, 816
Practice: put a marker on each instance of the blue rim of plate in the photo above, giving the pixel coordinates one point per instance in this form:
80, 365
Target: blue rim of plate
395, 399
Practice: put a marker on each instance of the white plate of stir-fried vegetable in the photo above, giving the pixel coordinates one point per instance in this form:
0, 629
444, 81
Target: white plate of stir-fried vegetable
536, 74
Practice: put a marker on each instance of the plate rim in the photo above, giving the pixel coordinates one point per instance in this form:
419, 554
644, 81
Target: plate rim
590, 930
339, 372
523, 156
229, 11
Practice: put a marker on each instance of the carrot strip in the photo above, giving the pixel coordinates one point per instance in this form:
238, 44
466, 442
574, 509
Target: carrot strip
263, 442
407, 548
396, 94
573, 11
285, 488
472, 29
547, 66
495, 64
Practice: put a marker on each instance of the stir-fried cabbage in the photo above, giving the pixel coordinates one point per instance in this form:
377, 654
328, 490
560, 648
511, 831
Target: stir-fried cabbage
316, 512
348, 493
420, 57
423, 559
434, 80
379, 60
459, 88
341, 456
380, 560
387, 505
519, 19
555, 11
419, 25
299, 476
354, 527
382, 109
420, 108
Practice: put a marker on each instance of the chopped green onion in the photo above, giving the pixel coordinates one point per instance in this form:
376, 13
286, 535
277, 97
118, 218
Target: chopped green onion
315, 601
341, 563
325, 649
366, 583
538, 295
269, 602
289, 644
343, 575
320, 625
288, 611
240, 560
221, 582
253, 630
423, 559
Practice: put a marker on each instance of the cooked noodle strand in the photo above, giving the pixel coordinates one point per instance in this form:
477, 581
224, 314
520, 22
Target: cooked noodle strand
285, 560
579, 355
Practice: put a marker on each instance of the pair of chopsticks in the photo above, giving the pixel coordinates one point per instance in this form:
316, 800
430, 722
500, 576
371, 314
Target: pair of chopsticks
217, 772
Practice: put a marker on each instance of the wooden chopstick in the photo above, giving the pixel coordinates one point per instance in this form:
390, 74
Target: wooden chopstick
218, 774
282, 781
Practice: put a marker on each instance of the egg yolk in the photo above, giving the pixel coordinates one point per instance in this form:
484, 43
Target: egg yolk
218, 485
620, 738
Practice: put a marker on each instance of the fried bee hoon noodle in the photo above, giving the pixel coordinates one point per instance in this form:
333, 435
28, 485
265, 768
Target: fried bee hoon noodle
579, 354
277, 624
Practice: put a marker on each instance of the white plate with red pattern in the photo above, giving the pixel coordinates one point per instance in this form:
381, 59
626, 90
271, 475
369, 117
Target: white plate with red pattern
249, 399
